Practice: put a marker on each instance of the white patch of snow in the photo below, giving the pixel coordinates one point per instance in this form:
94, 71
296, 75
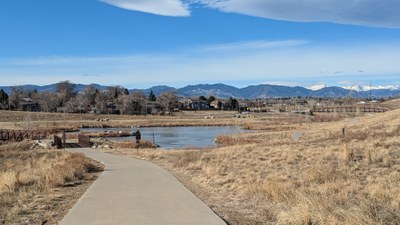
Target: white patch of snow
317, 87
367, 87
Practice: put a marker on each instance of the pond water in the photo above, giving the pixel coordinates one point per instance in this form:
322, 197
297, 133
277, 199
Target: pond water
176, 137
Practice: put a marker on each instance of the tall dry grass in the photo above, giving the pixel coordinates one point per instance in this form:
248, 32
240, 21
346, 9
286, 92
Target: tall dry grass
26, 173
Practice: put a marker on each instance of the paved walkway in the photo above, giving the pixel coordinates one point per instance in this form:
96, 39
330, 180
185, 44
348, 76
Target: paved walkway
132, 191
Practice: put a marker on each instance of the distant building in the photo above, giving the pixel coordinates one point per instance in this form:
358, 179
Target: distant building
216, 104
27, 104
184, 104
200, 105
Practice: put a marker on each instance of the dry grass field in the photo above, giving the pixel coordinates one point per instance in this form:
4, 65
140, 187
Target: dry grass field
39, 186
294, 169
311, 174
53, 121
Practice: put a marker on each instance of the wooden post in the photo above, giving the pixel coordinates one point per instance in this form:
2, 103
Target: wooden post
138, 136
64, 138
57, 142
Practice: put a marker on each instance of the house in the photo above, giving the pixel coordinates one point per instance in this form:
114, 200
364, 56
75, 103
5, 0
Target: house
216, 104
184, 104
27, 104
200, 105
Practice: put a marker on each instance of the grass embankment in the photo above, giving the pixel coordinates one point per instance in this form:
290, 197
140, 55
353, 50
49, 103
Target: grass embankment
39, 186
321, 177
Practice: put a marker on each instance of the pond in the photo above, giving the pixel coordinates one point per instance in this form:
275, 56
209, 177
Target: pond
175, 137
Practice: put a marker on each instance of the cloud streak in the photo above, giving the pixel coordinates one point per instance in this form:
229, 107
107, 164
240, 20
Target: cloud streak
375, 13
158, 7
255, 45
359, 12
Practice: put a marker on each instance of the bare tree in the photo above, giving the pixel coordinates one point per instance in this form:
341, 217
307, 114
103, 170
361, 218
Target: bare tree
116, 91
132, 104
168, 101
140, 102
48, 101
89, 95
66, 91
72, 106
101, 101
15, 97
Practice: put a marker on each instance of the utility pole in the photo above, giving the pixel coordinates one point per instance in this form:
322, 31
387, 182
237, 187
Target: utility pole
370, 91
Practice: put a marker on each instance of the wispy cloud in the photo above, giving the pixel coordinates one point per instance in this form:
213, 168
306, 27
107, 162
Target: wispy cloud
255, 45
158, 7
360, 12
377, 13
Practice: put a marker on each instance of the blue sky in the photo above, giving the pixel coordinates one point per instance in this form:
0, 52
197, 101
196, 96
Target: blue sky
141, 43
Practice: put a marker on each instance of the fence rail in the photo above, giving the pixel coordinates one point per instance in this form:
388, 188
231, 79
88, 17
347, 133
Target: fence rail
58, 142
350, 109
20, 135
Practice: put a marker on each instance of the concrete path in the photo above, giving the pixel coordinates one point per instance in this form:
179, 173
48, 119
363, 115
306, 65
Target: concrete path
132, 191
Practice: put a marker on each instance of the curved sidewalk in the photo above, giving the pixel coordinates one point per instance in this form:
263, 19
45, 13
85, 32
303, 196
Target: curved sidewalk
132, 191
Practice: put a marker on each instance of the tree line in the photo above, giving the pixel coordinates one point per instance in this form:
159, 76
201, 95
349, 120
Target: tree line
66, 98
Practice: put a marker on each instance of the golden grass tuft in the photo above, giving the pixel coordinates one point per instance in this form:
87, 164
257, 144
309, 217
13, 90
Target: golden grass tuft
347, 155
368, 157
387, 161
8, 181
187, 157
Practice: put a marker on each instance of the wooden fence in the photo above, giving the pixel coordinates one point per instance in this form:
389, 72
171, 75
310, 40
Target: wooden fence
84, 141
59, 142
350, 109
20, 135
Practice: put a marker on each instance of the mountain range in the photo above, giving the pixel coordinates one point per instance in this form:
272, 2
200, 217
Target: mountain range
250, 92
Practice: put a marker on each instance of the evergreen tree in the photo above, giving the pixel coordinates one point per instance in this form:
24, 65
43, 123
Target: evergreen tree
152, 97
3, 98
126, 91
234, 104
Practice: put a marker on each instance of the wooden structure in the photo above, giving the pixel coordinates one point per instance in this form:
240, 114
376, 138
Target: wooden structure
57, 142
368, 109
84, 141
20, 135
